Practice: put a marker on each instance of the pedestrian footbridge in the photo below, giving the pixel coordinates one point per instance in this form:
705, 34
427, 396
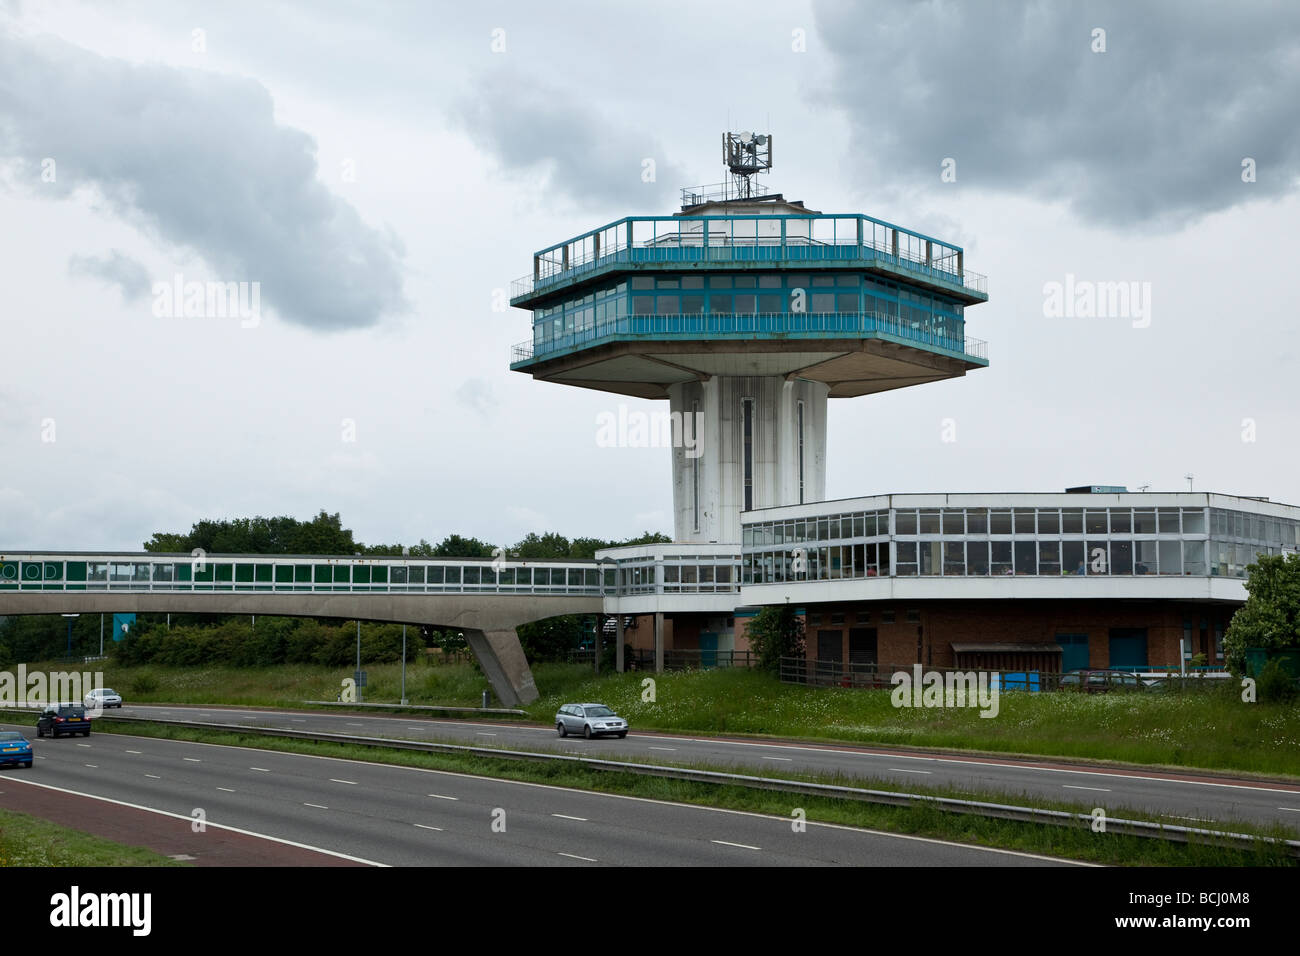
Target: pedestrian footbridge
485, 599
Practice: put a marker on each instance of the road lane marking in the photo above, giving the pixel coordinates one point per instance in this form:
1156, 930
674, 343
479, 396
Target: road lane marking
1066, 786
225, 789
903, 770
135, 751
316, 805
743, 846
154, 776
352, 723
441, 797
83, 745
786, 759
192, 759
350, 783
297, 721
93, 766
565, 816
425, 826
584, 859
1292, 809
482, 734
259, 769
664, 748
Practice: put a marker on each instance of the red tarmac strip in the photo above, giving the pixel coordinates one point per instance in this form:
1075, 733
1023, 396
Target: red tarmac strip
163, 834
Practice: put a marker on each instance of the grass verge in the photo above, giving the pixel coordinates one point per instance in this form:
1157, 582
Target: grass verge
1206, 730
28, 841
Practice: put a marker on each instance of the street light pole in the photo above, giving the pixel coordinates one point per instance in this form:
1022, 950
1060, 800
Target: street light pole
360, 695
68, 653
403, 665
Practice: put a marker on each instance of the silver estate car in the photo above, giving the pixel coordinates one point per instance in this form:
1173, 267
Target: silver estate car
590, 720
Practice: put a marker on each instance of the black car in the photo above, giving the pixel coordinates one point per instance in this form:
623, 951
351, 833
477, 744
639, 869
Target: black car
63, 719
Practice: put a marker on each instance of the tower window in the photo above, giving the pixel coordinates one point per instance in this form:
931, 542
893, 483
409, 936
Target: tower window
747, 407
801, 453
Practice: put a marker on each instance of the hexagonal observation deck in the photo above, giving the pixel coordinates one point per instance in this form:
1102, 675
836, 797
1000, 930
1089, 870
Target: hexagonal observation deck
747, 314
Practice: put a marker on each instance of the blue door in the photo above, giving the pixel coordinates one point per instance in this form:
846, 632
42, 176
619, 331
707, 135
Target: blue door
1074, 651
1128, 647
708, 650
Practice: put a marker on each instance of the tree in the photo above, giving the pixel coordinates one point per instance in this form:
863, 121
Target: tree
1270, 618
774, 633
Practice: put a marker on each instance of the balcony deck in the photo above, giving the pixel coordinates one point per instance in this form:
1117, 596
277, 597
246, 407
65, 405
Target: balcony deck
805, 241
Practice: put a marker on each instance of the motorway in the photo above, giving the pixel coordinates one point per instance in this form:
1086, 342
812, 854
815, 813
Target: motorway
1191, 796
386, 815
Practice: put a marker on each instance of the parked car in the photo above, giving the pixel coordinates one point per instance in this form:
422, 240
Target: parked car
15, 749
1100, 681
63, 719
103, 697
590, 720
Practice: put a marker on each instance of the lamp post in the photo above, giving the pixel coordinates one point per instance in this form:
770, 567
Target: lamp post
68, 653
403, 665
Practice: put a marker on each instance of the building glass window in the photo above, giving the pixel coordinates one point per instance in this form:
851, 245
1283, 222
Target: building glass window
747, 411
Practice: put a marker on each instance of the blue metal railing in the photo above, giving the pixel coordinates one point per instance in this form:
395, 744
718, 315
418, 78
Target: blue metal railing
791, 239
760, 325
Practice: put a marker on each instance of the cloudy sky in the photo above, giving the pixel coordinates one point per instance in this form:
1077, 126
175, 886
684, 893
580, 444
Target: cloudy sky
383, 171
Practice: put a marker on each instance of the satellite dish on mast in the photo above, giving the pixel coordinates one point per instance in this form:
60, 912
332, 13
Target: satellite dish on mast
746, 137
760, 139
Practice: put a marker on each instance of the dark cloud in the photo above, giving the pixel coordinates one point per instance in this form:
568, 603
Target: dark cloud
117, 269
1151, 132
578, 153
196, 159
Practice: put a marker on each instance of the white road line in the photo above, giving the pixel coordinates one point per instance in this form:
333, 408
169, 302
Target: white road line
154, 776
1066, 786
135, 751
83, 745
259, 769
786, 759
415, 728
316, 805
565, 816
350, 783
425, 826
189, 819
93, 766
225, 790
903, 770
297, 721
482, 734
192, 759
664, 748
352, 723
1291, 809
441, 797
743, 846
584, 859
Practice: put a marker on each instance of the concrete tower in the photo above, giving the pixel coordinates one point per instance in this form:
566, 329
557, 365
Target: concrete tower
747, 312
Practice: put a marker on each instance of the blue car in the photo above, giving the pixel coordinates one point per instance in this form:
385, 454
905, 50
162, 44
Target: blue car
14, 749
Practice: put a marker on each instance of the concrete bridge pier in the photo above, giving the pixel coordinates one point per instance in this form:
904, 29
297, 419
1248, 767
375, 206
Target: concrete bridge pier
503, 661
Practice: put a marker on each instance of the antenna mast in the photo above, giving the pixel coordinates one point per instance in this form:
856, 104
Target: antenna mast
746, 155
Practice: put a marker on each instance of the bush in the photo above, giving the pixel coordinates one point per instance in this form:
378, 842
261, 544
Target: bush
144, 684
1275, 683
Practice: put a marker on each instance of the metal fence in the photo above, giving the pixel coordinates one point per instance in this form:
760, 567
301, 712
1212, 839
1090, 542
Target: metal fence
832, 673
688, 660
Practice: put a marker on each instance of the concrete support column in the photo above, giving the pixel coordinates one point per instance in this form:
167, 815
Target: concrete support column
502, 658
618, 651
659, 642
